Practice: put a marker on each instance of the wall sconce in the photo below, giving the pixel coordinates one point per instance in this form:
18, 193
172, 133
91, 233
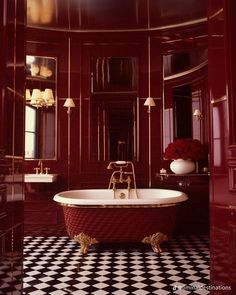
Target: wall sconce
198, 115
69, 103
149, 102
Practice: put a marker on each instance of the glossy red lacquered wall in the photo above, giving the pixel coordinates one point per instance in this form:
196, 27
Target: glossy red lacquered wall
12, 78
223, 145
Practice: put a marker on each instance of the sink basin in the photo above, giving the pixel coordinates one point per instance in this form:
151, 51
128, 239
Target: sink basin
40, 177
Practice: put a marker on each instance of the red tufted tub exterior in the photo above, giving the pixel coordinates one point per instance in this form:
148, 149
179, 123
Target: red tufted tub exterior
119, 224
97, 214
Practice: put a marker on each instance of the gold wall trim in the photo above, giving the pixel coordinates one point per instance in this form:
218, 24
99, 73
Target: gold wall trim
109, 44
114, 92
223, 98
222, 206
14, 157
15, 92
185, 73
218, 12
10, 229
41, 42
150, 29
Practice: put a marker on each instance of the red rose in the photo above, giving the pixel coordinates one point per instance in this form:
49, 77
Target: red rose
185, 149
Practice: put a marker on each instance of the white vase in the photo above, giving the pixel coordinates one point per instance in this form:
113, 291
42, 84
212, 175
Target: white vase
180, 166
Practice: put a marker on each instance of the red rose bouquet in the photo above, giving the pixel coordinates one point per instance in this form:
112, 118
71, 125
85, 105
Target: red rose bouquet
185, 149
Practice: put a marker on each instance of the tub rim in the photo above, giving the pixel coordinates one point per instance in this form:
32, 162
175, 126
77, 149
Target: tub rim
121, 205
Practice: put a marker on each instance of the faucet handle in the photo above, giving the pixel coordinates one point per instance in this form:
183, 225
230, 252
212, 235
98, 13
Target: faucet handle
46, 170
37, 170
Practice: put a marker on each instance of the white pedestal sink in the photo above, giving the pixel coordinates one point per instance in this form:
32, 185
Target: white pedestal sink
40, 177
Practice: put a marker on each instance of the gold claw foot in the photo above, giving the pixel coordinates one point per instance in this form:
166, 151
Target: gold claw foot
85, 241
155, 241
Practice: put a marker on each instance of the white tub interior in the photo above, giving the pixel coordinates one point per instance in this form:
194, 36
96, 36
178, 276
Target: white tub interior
106, 197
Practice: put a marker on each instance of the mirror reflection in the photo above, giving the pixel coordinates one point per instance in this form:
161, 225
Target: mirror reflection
184, 94
40, 109
182, 105
113, 108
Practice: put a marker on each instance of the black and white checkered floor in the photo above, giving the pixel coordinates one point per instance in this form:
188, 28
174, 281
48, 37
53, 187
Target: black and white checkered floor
53, 265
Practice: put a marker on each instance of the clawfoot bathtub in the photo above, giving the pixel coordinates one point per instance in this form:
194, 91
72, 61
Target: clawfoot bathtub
93, 216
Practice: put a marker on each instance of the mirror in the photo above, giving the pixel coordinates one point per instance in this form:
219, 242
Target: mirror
113, 108
182, 105
40, 109
185, 91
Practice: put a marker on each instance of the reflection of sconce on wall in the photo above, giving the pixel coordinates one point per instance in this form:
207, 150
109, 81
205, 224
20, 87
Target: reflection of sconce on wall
34, 69
42, 71
36, 98
48, 97
40, 98
198, 115
41, 11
